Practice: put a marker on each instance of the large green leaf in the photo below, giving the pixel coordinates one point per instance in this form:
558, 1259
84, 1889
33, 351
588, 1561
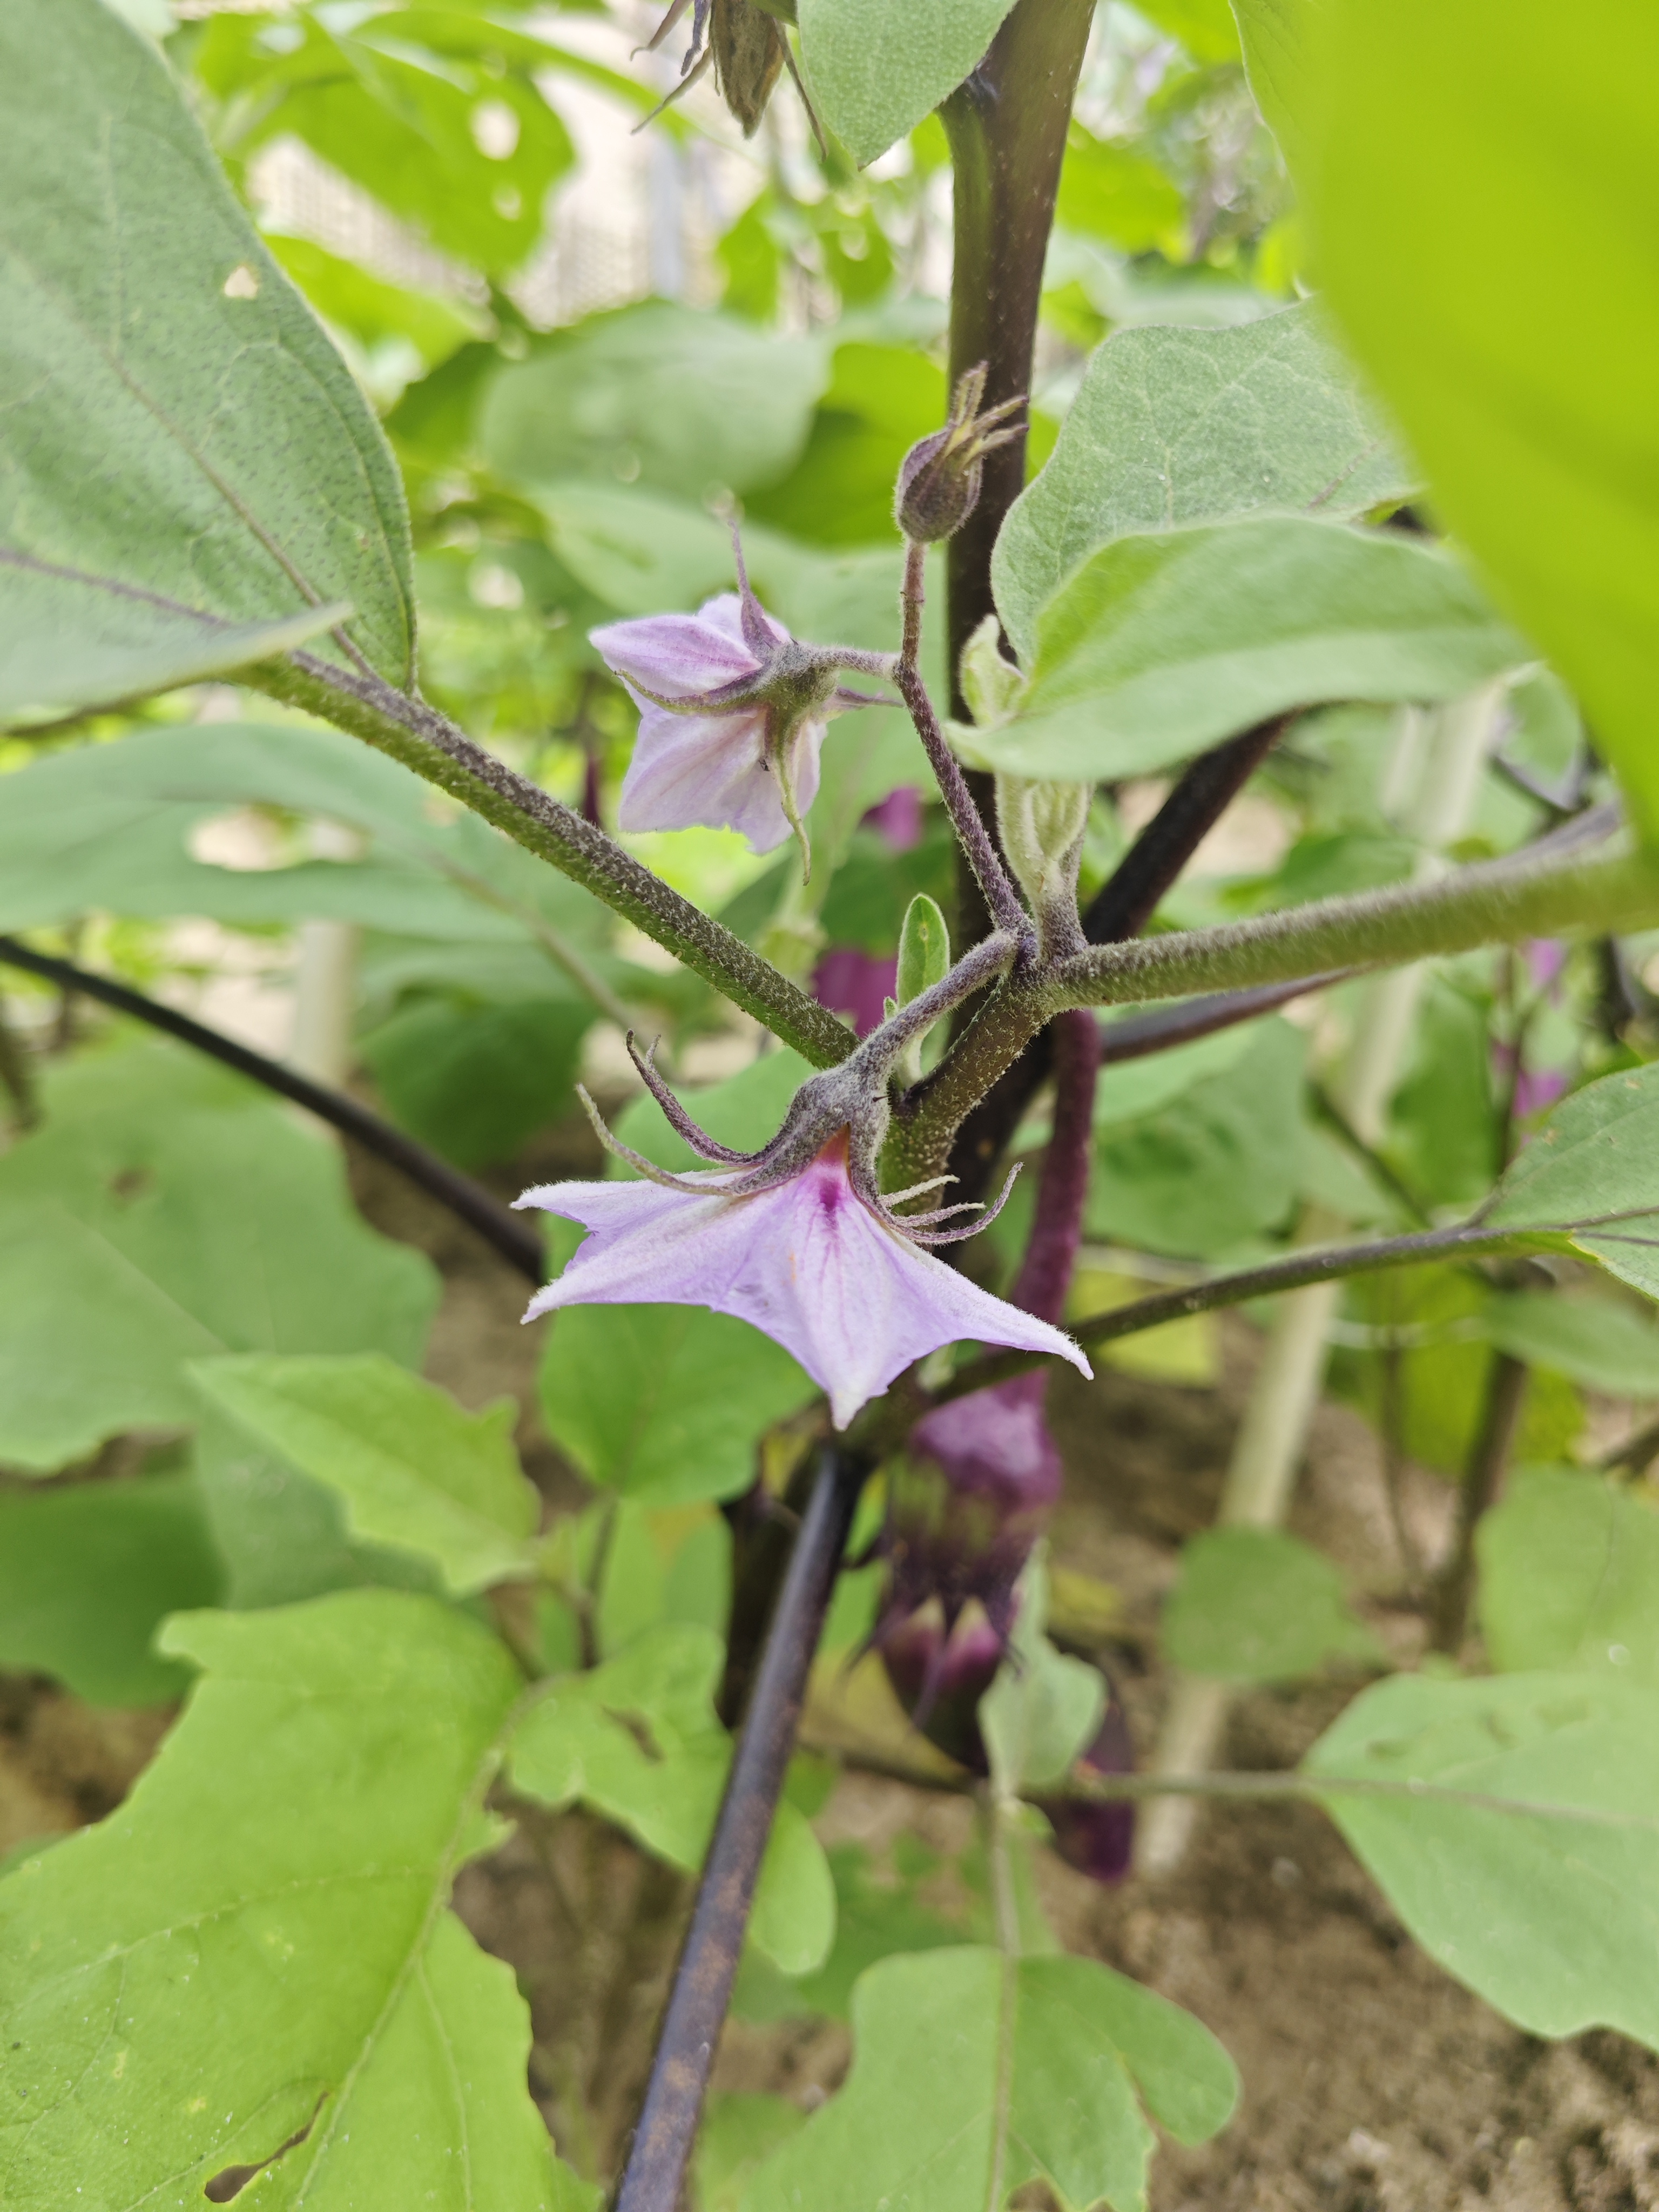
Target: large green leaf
251, 1962
880, 399
167, 1211
1593, 1342
1596, 1158
1277, 38
637, 1740
1161, 644
875, 71
178, 425
1570, 1575
684, 400
969, 2072
88, 1573
1254, 1605
414, 1471
1173, 427
475, 1078
1544, 1898
1464, 156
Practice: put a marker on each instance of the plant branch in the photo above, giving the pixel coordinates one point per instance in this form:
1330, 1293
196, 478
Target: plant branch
468, 1200
427, 742
697, 2003
1502, 1405
1543, 891
1002, 901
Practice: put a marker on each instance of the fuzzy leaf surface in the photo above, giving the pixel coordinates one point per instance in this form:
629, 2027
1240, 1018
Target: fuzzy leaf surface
967, 2067
88, 1573
637, 1740
178, 424
1597, 1156
1548, 1904
874, 72
1161, 645
167, 1212
1458, 152
1173, 427
1570, 1575
414, 1470
221, 1968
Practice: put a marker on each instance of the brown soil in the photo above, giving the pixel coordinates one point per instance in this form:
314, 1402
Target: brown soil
1371, 2082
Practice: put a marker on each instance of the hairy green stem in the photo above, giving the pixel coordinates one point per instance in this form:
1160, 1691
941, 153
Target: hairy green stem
423, 739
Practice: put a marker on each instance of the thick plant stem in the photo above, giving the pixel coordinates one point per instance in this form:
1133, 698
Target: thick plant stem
468, 1200
1122, 908
1500, 1419
423, 739
1008, 127
690, 2030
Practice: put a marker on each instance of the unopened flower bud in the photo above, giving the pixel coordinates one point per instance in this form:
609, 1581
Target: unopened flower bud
1098, 1838
938, 480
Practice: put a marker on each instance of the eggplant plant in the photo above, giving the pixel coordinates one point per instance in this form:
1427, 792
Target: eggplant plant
1355, 502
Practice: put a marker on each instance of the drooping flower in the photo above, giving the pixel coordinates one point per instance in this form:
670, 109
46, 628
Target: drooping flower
857, 984
732, 716
795, 1239
1099, 1838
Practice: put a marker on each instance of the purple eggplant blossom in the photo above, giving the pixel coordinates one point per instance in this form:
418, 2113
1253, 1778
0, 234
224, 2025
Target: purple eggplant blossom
940, 1679
732, 716
897, 818
792, 1246
1098, 1839
856, 984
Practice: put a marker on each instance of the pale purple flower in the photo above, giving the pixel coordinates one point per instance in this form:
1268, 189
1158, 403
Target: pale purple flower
845, 1287
732, 716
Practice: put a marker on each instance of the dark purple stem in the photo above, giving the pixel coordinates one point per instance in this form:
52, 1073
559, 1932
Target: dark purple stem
470, 1201
686, 2044
1045, 1275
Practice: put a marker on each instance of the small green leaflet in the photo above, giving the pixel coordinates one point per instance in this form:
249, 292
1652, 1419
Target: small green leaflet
1595, 1160
414, 1471
1595, 1341
637, 1740
875, 71
86, 1576
179, 427
1174, 427
1570, 1575
971, 2070
1456, 152
167, 1212
1254, 1605
218, 1975
1543, 1898
1160, 645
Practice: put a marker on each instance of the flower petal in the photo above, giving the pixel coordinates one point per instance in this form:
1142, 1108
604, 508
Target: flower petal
678, 655
806, 1261
692, 771
725, 614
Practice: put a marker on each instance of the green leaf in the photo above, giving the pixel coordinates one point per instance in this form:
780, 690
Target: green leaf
215, 1977
1173, 427
684, 400
1212, 1167
637, 1740
1043, 1708
1544, 1901
178, 425
475, 1081
1161, 645
126, 646
415, 1470
1278, 39
874, 72
167, 1211
880, 399
88, 1573
1204, 27
930, 2113
738, 2131
1570, 1575
1254, 1605
1459, 151
1112, 192
1597, 1156
664, 1403
372, 311
1592, 1341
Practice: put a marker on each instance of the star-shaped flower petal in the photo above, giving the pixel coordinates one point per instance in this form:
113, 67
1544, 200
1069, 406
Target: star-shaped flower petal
805, 1260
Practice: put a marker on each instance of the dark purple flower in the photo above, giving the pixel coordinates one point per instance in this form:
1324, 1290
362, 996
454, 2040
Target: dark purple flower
1099, 1840
898, 819
856, 984
940, 1680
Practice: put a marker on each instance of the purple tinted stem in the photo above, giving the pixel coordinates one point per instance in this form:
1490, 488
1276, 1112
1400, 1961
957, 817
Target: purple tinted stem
690, 2031
1057, 1228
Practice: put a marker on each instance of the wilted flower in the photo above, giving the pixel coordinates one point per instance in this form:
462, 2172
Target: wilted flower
939, 478
748, 48
732, 716
796, 1239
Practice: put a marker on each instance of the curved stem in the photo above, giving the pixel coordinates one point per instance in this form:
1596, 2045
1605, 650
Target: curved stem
468, 1200
426, 741
1002, 901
